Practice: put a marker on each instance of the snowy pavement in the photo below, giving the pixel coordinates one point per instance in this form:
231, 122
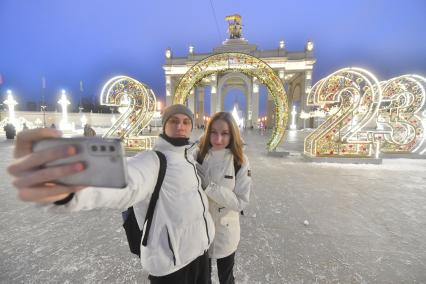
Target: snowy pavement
306, 223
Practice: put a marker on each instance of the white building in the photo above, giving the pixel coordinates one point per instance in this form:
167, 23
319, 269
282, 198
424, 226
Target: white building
293, 68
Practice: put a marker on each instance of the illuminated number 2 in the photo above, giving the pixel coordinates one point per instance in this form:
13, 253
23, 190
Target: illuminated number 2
357, 94
137, 101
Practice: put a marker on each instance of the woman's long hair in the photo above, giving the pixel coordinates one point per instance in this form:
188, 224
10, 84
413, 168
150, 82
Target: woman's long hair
235, 142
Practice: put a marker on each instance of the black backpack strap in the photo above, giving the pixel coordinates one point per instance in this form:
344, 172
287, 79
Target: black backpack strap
133, 233
199, 160
155, 195
237, 167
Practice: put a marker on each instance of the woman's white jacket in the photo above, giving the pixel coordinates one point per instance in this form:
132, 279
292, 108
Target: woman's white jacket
228, 195
182, 228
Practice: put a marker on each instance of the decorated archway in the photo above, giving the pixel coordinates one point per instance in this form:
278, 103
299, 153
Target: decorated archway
249, 65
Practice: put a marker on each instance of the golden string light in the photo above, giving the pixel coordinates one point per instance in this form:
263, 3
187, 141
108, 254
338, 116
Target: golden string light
249, 65
372, 117
136, 102
357, 94
401, 128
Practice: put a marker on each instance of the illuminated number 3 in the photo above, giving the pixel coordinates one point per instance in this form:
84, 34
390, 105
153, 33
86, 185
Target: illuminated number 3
400, 128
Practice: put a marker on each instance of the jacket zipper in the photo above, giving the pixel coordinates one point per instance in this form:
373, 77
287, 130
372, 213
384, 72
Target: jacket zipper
170, 246
199, 193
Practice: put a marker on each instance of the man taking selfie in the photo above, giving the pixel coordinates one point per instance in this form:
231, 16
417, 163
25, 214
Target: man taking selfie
182, 228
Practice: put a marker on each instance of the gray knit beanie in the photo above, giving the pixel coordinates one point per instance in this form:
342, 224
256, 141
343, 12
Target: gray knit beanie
175, 109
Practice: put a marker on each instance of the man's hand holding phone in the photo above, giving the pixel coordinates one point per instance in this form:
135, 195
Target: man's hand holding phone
49, 168
32, 180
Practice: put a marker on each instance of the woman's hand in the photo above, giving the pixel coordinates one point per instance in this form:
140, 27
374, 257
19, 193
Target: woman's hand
33, 182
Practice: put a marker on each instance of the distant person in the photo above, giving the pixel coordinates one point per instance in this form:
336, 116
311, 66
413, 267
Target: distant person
182, 228
226, 179
10, 131
53, 126
24, 126
88, 130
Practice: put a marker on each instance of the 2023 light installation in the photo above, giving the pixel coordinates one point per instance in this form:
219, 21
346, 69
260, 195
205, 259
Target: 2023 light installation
343, 133
372, 116
138, 102
249, 65
403, 129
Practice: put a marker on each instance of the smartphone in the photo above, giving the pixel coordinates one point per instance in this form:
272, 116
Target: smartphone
104, 160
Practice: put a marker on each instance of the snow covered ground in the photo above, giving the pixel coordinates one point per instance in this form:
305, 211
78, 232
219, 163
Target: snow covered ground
306, 223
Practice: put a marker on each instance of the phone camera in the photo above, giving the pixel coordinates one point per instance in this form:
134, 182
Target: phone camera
103, 148
94, 148
111, 148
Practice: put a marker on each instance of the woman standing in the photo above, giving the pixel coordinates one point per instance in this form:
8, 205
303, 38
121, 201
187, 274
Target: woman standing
226, 180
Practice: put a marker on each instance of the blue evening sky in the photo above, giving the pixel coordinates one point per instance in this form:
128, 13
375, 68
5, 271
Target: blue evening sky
92, 40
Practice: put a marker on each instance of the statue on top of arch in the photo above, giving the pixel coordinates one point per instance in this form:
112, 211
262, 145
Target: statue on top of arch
234, 26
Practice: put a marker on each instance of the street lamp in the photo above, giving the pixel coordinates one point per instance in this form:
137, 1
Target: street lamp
64, 102
11, 103
43, 109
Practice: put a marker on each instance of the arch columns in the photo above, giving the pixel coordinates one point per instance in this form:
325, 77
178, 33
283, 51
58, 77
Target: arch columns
246, 88
199, 106
169, 90
254, 103
213, 95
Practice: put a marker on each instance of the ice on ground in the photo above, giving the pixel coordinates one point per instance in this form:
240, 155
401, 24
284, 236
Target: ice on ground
366, 224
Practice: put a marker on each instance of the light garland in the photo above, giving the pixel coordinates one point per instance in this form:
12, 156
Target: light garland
249, 65
342, 133
137, 102
402, 128
367, 117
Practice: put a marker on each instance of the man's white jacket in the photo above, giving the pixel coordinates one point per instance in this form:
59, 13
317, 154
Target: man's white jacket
228, 193
182, 228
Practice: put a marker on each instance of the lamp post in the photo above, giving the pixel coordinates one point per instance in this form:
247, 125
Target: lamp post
11, 103
43, 109
64, 102
158, 112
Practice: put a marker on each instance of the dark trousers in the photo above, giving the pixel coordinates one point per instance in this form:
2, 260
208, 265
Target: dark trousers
225, 269
196, 272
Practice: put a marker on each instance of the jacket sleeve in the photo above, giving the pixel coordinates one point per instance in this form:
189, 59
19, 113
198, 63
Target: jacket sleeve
238, 198
142, 177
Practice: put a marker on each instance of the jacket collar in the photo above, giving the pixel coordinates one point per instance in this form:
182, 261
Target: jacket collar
163, 145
